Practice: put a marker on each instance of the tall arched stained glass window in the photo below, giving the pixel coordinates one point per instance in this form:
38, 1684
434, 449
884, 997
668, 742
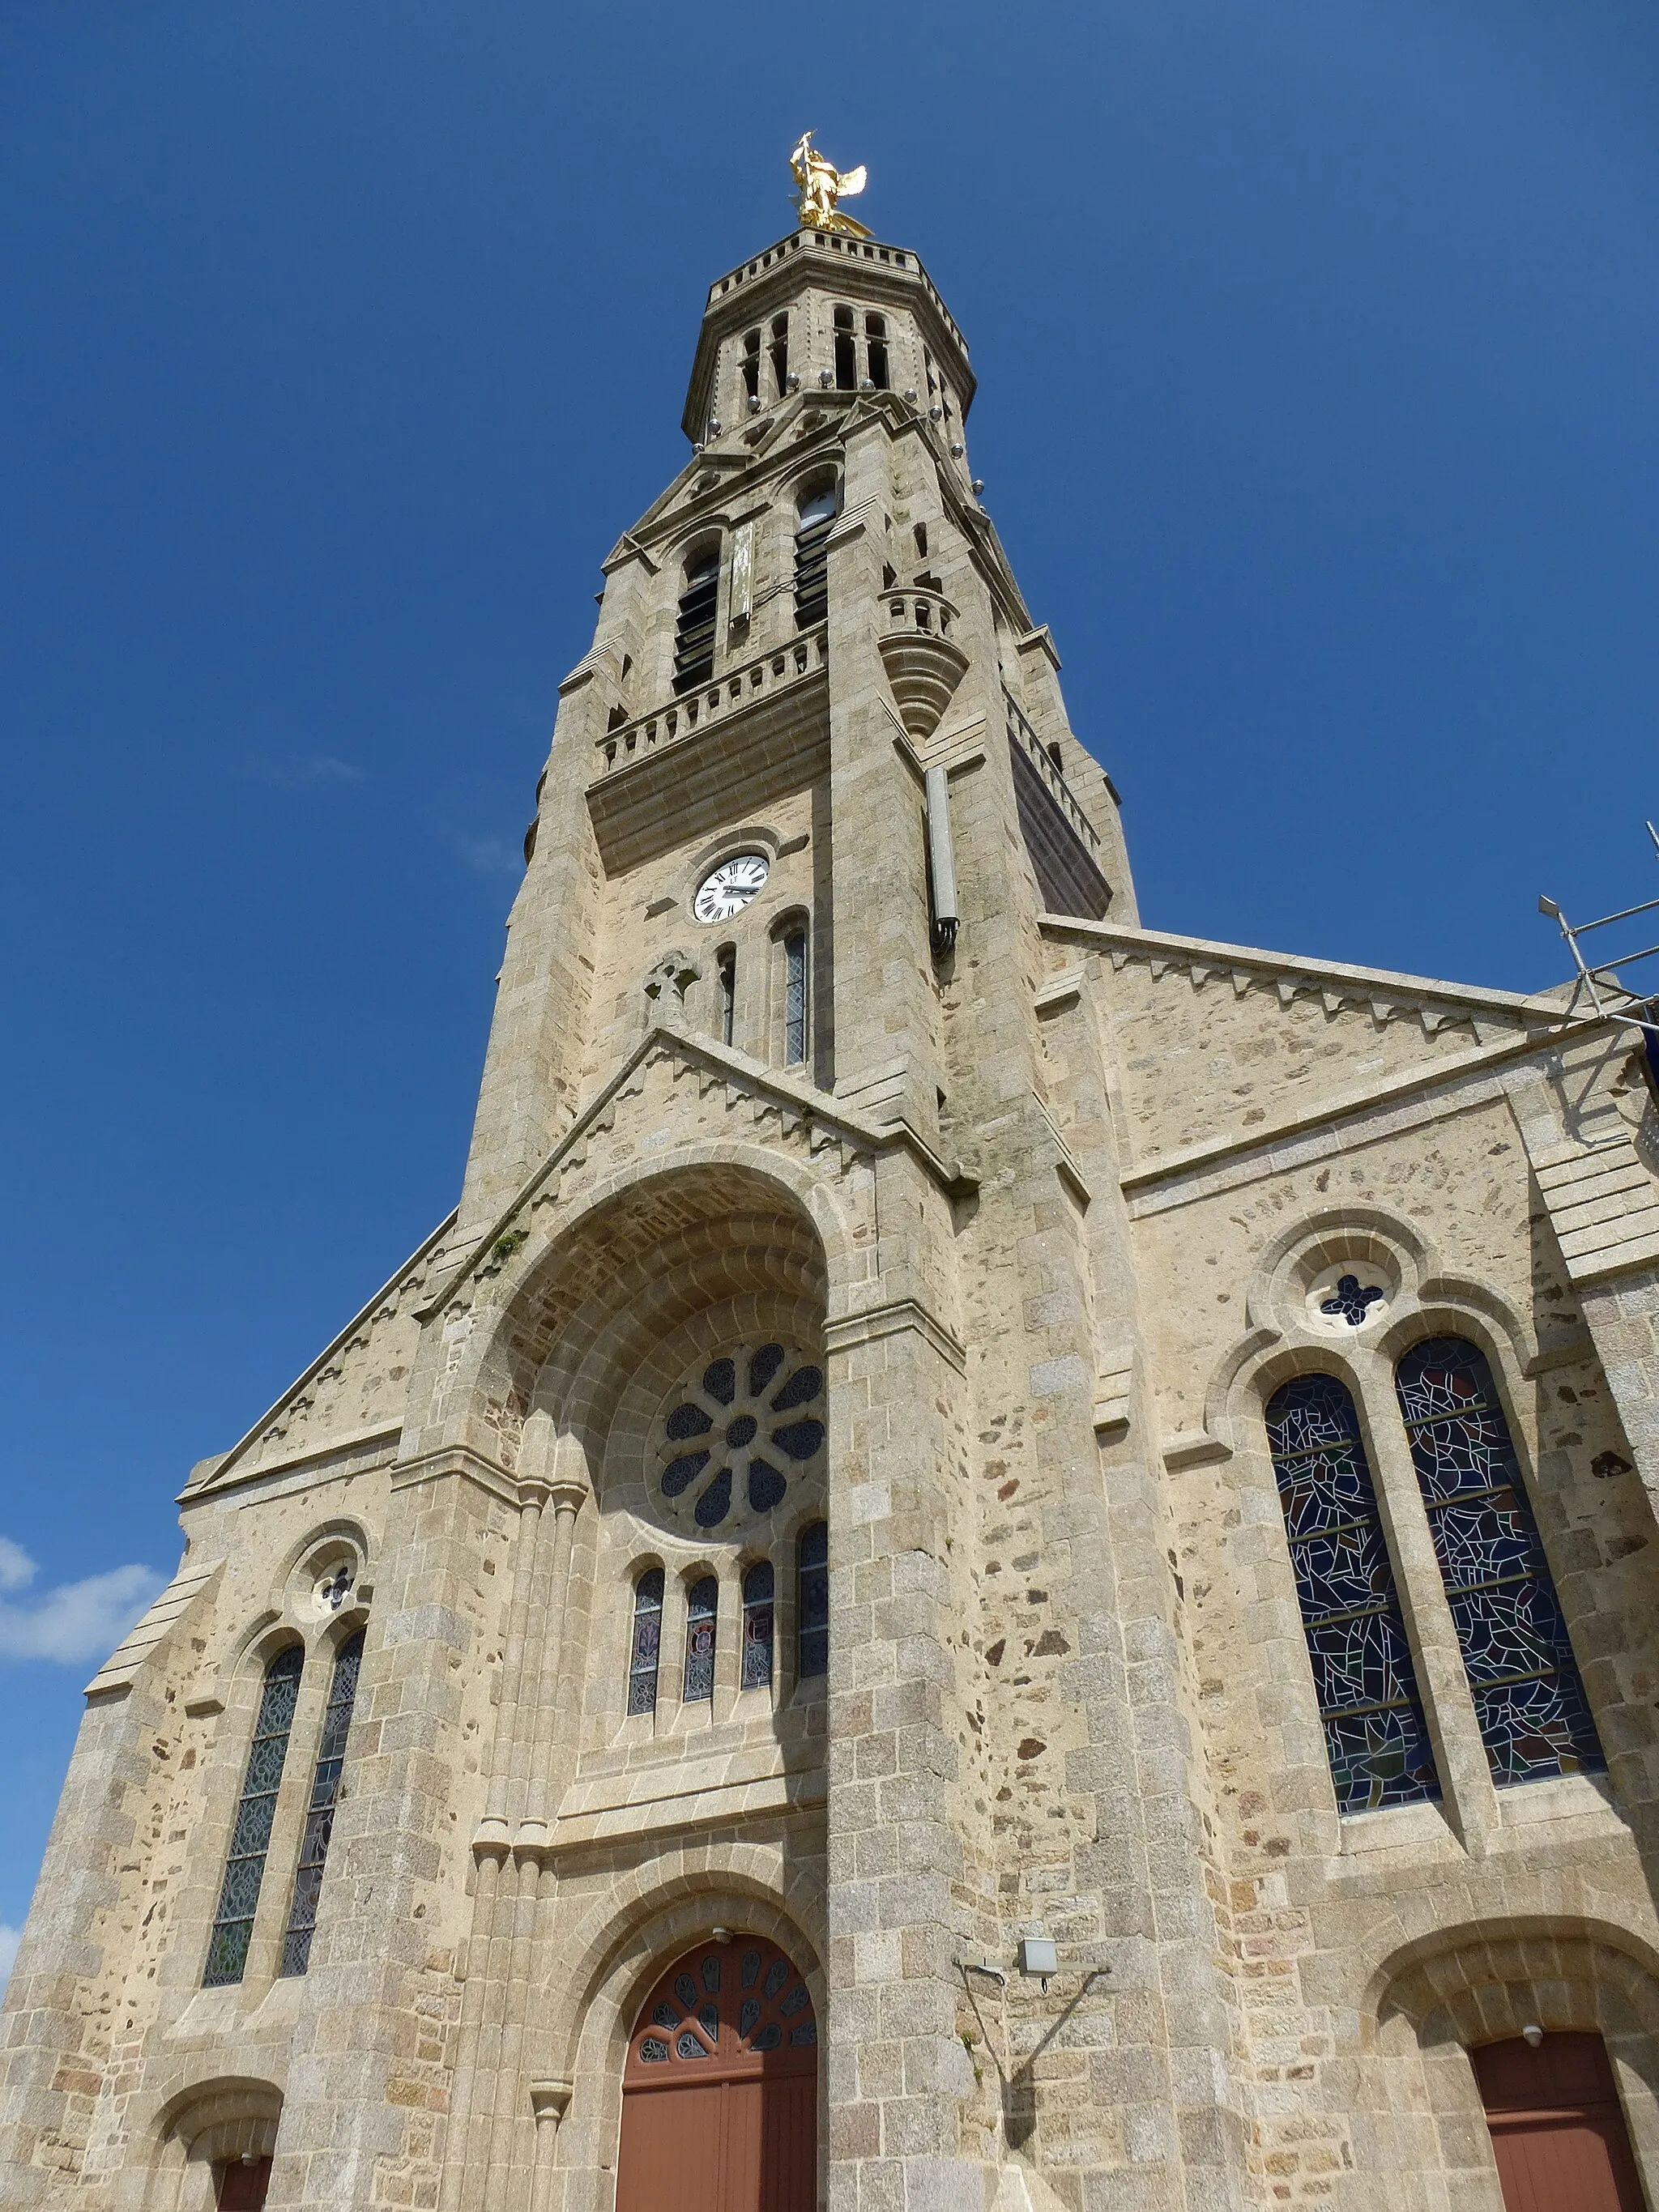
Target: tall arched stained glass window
647, 1643
319, 1814
245, 1867
757, 1625
813, 1602
794, 998
1375, 1734
702, 1605
1534, 1720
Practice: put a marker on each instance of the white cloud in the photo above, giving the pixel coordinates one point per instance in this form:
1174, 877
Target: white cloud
8, 1952
76, 1621
491, 856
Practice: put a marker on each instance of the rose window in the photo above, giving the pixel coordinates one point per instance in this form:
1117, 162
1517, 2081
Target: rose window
735, 1433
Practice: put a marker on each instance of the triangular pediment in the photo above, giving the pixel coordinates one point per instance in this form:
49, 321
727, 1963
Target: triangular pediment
781, 1109
1218, 1046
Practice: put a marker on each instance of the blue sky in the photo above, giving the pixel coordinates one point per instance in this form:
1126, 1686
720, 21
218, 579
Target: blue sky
1316, 347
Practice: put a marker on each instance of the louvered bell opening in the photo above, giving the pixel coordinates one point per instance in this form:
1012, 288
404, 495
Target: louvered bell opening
812, 573
693, 634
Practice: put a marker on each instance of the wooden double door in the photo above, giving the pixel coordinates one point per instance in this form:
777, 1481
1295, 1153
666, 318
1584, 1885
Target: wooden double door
720, 2090
1558, 2129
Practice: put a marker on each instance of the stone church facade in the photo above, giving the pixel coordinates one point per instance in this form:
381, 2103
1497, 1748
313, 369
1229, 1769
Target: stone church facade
1009, 1556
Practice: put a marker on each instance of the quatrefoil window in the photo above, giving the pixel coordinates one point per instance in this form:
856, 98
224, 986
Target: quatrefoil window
735, 1433
1351, 1304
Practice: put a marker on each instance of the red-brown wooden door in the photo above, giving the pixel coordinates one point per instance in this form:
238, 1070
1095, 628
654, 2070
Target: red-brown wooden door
1557, 2125
720, 2092
242, 2185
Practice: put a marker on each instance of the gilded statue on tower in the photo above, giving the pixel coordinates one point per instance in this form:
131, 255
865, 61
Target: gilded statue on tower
822, 185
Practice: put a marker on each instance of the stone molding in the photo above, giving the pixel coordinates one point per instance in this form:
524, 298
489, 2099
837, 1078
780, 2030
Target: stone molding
851, 1330
460, 1460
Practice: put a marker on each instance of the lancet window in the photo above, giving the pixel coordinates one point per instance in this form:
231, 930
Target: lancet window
702, 1613
1534, 1719
319, 1814
1376, 1736
725, 968
647, 1652
250, 1839
794, 998
780, 351
812, 1602
757, 1625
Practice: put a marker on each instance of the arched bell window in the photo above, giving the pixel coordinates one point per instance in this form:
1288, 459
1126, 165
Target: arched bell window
646, 1651
817, 516
1376, 1737
1534, 1719
250, 1839
846, 362
693, 629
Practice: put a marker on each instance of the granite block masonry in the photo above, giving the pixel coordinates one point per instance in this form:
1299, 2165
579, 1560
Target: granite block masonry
912, 1440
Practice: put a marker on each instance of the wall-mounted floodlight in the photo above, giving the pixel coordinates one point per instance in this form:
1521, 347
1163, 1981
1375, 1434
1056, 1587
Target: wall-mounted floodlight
1037, 1955
1548, 906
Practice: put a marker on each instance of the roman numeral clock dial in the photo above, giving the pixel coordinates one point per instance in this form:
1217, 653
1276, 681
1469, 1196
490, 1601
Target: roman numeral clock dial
729, 889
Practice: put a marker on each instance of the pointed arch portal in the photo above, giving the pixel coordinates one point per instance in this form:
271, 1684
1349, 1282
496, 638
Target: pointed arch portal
720, 2091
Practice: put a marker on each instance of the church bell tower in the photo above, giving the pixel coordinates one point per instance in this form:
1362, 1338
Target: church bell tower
812, 629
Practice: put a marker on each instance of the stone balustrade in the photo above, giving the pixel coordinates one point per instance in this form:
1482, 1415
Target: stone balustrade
723, 697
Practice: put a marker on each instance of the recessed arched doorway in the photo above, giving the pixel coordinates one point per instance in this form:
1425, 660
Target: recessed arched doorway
720, 2091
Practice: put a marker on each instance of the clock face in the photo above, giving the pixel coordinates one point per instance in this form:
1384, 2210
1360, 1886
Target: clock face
731, 887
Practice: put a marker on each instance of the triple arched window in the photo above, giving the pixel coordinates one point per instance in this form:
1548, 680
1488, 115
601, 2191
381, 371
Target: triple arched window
757, 1627
1530, 1701
256, 1813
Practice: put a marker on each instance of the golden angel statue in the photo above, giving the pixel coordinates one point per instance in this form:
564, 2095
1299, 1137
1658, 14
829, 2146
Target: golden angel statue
821, 185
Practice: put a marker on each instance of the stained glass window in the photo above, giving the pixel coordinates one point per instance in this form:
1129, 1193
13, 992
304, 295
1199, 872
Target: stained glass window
1353, 1300
319, 1814
647, 1643
1375, 1734
812, 1617
702, 1605
1534, 1720
757, 1625
245, 1867
700, 2010
737, 1431
794, 998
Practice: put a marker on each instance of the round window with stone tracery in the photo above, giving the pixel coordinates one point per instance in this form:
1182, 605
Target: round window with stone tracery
735, 1435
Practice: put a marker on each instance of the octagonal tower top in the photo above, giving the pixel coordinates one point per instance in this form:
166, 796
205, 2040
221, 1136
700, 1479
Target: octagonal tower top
825, 309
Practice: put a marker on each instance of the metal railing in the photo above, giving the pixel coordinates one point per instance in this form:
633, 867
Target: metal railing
1021, 733
1600, 980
